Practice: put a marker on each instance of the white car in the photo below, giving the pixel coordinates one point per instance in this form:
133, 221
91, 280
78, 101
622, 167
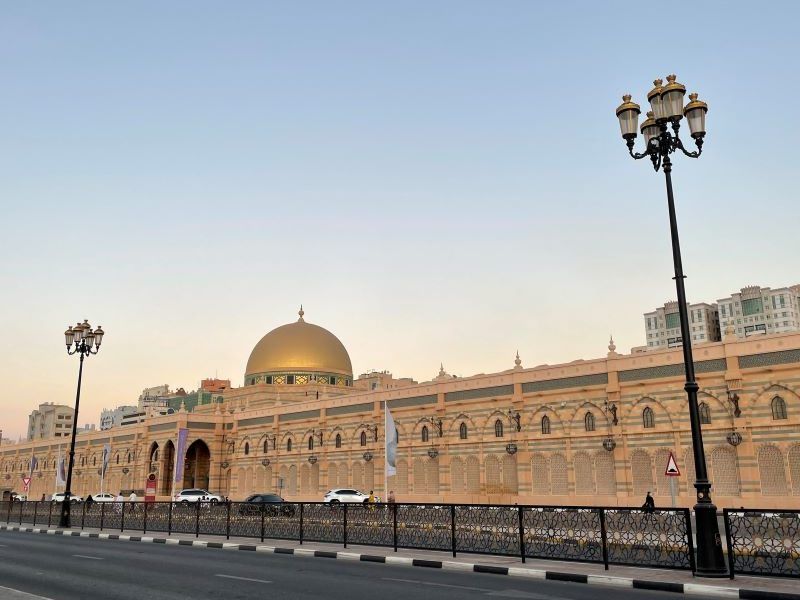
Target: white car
196, 495
345, 495
58, 498
104, 497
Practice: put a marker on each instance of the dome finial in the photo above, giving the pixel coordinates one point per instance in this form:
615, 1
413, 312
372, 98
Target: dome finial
301, 312
612, 347
517, 361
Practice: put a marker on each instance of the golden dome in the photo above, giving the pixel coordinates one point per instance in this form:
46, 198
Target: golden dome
299, 347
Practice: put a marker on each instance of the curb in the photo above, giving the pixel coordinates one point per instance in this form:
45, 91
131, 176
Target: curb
694, 589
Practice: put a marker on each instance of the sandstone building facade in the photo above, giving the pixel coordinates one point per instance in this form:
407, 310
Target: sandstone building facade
589, 432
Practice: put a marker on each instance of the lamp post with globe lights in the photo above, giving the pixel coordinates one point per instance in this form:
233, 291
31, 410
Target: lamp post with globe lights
661, 132
80, 340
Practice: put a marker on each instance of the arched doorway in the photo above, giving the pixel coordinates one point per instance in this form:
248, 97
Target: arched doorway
152, 464
168, 463
197, 466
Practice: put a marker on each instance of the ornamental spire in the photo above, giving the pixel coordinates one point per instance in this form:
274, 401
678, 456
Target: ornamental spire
301, 312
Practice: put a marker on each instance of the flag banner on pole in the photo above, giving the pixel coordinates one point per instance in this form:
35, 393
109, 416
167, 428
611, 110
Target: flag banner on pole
106, 457
34, 463
179, 455
61, 470
390, 433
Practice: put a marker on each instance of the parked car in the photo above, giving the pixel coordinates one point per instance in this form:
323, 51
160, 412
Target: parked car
269, 504
345, 495
58, 498
16, 497
103, 497
196, 495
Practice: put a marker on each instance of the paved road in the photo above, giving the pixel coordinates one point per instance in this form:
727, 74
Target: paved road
74, 568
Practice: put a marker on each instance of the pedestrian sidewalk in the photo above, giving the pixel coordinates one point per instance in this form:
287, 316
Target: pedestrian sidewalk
751, 588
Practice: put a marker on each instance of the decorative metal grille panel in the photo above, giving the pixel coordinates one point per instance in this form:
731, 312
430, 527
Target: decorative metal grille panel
370, 524
764, 543
487, 529
423, 526
648, 539
565, 382
563, 533
769, 358
323, 523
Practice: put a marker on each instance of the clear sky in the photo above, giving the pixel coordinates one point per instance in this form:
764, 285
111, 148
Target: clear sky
434, 181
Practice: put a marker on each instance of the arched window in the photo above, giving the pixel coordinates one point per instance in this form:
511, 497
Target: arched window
117, 460
363, 438
705, 414
83, 461
94, 461
266, 446
462, 431
246, 448
778, 409
311, 442
129, 458
648, 419
424, 433
545, 425
498, 428
588, 422
338, 440
289, 445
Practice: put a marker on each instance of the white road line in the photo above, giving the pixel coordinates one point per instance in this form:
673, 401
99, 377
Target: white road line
444, 585
242, 578
13, 594
87, 557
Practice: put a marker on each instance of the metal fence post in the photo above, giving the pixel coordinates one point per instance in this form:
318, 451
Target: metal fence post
262, 522
49, 513
302, 504
604, 537
102, 514
122, 518
394, 519
35, 510
344, 530
169, 519
8, 516
83, 514
144, 519
228, 522
521, 534
453, 528
20, 512
197, 520
731, 561
688, 515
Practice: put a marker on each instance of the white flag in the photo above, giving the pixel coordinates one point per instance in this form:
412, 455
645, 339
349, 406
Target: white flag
390, 433
61, 472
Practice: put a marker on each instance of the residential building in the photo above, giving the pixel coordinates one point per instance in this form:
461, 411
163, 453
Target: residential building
112, 417
663, 325
756, 310
50, 421
215, 385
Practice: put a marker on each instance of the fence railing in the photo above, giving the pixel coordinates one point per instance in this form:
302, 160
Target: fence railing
621, 536
763, 542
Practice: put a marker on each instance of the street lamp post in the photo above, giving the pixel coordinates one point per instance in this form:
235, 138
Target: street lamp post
80, 340
661, 135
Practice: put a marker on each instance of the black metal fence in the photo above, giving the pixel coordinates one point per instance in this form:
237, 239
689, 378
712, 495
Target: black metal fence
622, 536
763, 542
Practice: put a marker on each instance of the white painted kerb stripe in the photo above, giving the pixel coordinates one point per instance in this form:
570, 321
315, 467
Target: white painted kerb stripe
13, 594
242, 578
697, 589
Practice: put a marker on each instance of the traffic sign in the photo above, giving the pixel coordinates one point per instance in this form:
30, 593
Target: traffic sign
672, 469
26, 481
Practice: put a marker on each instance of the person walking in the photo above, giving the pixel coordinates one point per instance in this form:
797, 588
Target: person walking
89, 501
132, 497
649, 504
118, 501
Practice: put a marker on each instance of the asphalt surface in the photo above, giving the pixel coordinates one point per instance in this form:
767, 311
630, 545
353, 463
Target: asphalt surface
67, 568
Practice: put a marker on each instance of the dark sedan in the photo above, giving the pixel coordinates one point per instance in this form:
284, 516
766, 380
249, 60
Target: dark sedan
269, 504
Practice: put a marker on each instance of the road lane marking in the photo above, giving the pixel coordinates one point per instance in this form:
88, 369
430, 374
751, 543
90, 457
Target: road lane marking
444, 585
19, 594
87, 557
242, 578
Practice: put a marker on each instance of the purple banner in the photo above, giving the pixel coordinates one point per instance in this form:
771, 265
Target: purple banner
180, 459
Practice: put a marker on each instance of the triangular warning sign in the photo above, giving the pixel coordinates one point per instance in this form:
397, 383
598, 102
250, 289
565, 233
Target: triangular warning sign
672, 469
